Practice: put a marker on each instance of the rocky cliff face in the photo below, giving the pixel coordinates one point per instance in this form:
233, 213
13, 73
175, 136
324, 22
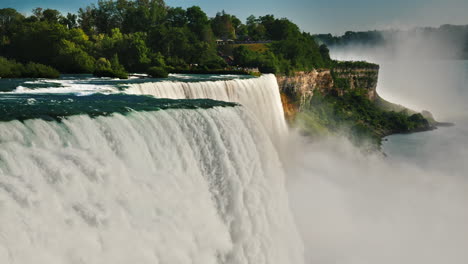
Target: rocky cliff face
298, 89
347, 79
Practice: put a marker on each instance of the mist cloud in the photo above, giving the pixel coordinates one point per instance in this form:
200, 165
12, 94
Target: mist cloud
409, 207
417, 70
353, 208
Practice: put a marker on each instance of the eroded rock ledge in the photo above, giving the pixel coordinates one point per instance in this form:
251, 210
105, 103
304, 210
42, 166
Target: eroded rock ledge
297, 89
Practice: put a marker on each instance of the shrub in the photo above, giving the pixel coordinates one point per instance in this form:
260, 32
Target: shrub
157, 72
268, 69
110, 73
36, 70
13, 69
112, 69
10, 69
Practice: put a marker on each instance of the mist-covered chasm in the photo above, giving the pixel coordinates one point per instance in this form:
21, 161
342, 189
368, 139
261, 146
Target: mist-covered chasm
355, 208
409, 207
418, 70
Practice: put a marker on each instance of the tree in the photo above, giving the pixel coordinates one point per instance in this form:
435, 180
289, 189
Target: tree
256, 31
37, 12
135, 55
107, 16
9, 18
223, 26
86, 19
70, 21
324, 52
176, 17
141, 14
72, 59
51, 15
198, 23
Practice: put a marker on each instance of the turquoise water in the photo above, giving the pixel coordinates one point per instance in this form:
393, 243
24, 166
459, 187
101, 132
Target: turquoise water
57, 106
88, 81
54, 99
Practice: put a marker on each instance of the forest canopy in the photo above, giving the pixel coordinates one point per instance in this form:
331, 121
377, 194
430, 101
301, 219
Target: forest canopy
134, 36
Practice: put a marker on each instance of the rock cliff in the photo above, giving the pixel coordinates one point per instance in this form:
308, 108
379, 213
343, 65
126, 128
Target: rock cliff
297, 89
344, 101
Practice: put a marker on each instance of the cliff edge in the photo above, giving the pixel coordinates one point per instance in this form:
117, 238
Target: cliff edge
344, 100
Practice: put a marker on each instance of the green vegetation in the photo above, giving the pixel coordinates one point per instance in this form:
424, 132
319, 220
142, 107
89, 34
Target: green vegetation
157, 72
112, 69
13, 69
147, 33
354, 74
290, 49
363, 121
355, 38
351, 65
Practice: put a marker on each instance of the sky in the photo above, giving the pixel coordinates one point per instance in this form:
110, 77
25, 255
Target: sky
314, 16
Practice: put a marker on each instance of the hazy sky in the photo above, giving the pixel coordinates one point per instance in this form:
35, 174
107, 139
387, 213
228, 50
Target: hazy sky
315, 16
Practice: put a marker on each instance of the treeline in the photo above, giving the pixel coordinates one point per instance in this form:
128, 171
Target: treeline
352, 65
290, 50
448, 41
115, 37
366, 38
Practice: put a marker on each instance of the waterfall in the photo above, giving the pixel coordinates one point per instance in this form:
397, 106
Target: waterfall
170, 186
259, 95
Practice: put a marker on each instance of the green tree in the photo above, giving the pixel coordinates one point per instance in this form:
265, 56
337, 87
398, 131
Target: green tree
198, 23
72, 59
71, 21
51, 15
9, 19
223, 26
177, 17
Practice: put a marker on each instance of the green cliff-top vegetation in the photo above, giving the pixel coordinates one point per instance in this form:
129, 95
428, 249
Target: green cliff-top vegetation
112, 38
360, 119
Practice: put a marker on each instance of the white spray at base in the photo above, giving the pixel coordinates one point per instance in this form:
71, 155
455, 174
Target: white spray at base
259, 95
355, 208
174, 186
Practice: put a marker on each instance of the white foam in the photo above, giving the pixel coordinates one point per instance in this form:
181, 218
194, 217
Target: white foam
175, 186
259, 95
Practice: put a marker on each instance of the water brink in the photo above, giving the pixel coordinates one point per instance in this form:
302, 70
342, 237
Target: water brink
259, 95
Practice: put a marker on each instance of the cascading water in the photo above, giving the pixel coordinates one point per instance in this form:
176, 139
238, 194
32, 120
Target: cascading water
259, 95
168, 186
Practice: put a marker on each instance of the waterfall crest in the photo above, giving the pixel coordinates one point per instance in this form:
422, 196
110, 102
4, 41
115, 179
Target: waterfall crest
259, 95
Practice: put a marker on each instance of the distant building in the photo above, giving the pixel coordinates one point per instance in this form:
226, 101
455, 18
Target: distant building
224, 41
